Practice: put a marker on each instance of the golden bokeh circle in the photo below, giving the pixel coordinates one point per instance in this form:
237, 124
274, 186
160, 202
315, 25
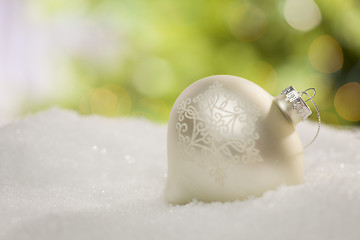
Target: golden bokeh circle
104, 102
326, 55
108, 100
347, 101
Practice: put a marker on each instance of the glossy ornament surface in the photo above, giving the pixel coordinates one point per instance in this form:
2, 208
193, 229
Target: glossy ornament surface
228, 139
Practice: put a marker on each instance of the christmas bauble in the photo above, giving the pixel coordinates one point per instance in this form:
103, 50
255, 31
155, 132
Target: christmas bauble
228, 139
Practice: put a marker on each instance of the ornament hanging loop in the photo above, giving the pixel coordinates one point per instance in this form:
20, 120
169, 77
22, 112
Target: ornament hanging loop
305, 92
310, 98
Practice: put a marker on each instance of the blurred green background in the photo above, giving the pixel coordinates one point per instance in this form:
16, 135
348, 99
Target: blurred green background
134, 57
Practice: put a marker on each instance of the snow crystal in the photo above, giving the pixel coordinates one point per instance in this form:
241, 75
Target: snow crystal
64, 176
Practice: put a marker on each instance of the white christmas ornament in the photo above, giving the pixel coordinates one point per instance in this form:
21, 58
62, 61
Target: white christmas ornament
228, 139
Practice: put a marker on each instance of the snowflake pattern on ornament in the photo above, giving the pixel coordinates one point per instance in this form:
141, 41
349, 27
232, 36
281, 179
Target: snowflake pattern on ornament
217, 125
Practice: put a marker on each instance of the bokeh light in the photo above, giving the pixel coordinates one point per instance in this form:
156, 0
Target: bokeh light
302, 15
104, 102
347, 101
109, 100
326, 55
115, 58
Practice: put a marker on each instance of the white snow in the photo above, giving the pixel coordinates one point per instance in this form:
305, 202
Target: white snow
64, 176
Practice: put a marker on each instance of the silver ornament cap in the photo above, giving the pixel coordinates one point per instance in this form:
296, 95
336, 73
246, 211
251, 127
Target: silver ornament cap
292, 105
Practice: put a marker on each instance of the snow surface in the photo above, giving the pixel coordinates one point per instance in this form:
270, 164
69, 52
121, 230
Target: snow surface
63, 176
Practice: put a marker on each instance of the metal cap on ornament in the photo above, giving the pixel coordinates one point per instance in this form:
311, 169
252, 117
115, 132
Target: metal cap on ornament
292, 105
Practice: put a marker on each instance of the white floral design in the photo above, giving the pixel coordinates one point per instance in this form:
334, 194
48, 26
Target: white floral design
216, 125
